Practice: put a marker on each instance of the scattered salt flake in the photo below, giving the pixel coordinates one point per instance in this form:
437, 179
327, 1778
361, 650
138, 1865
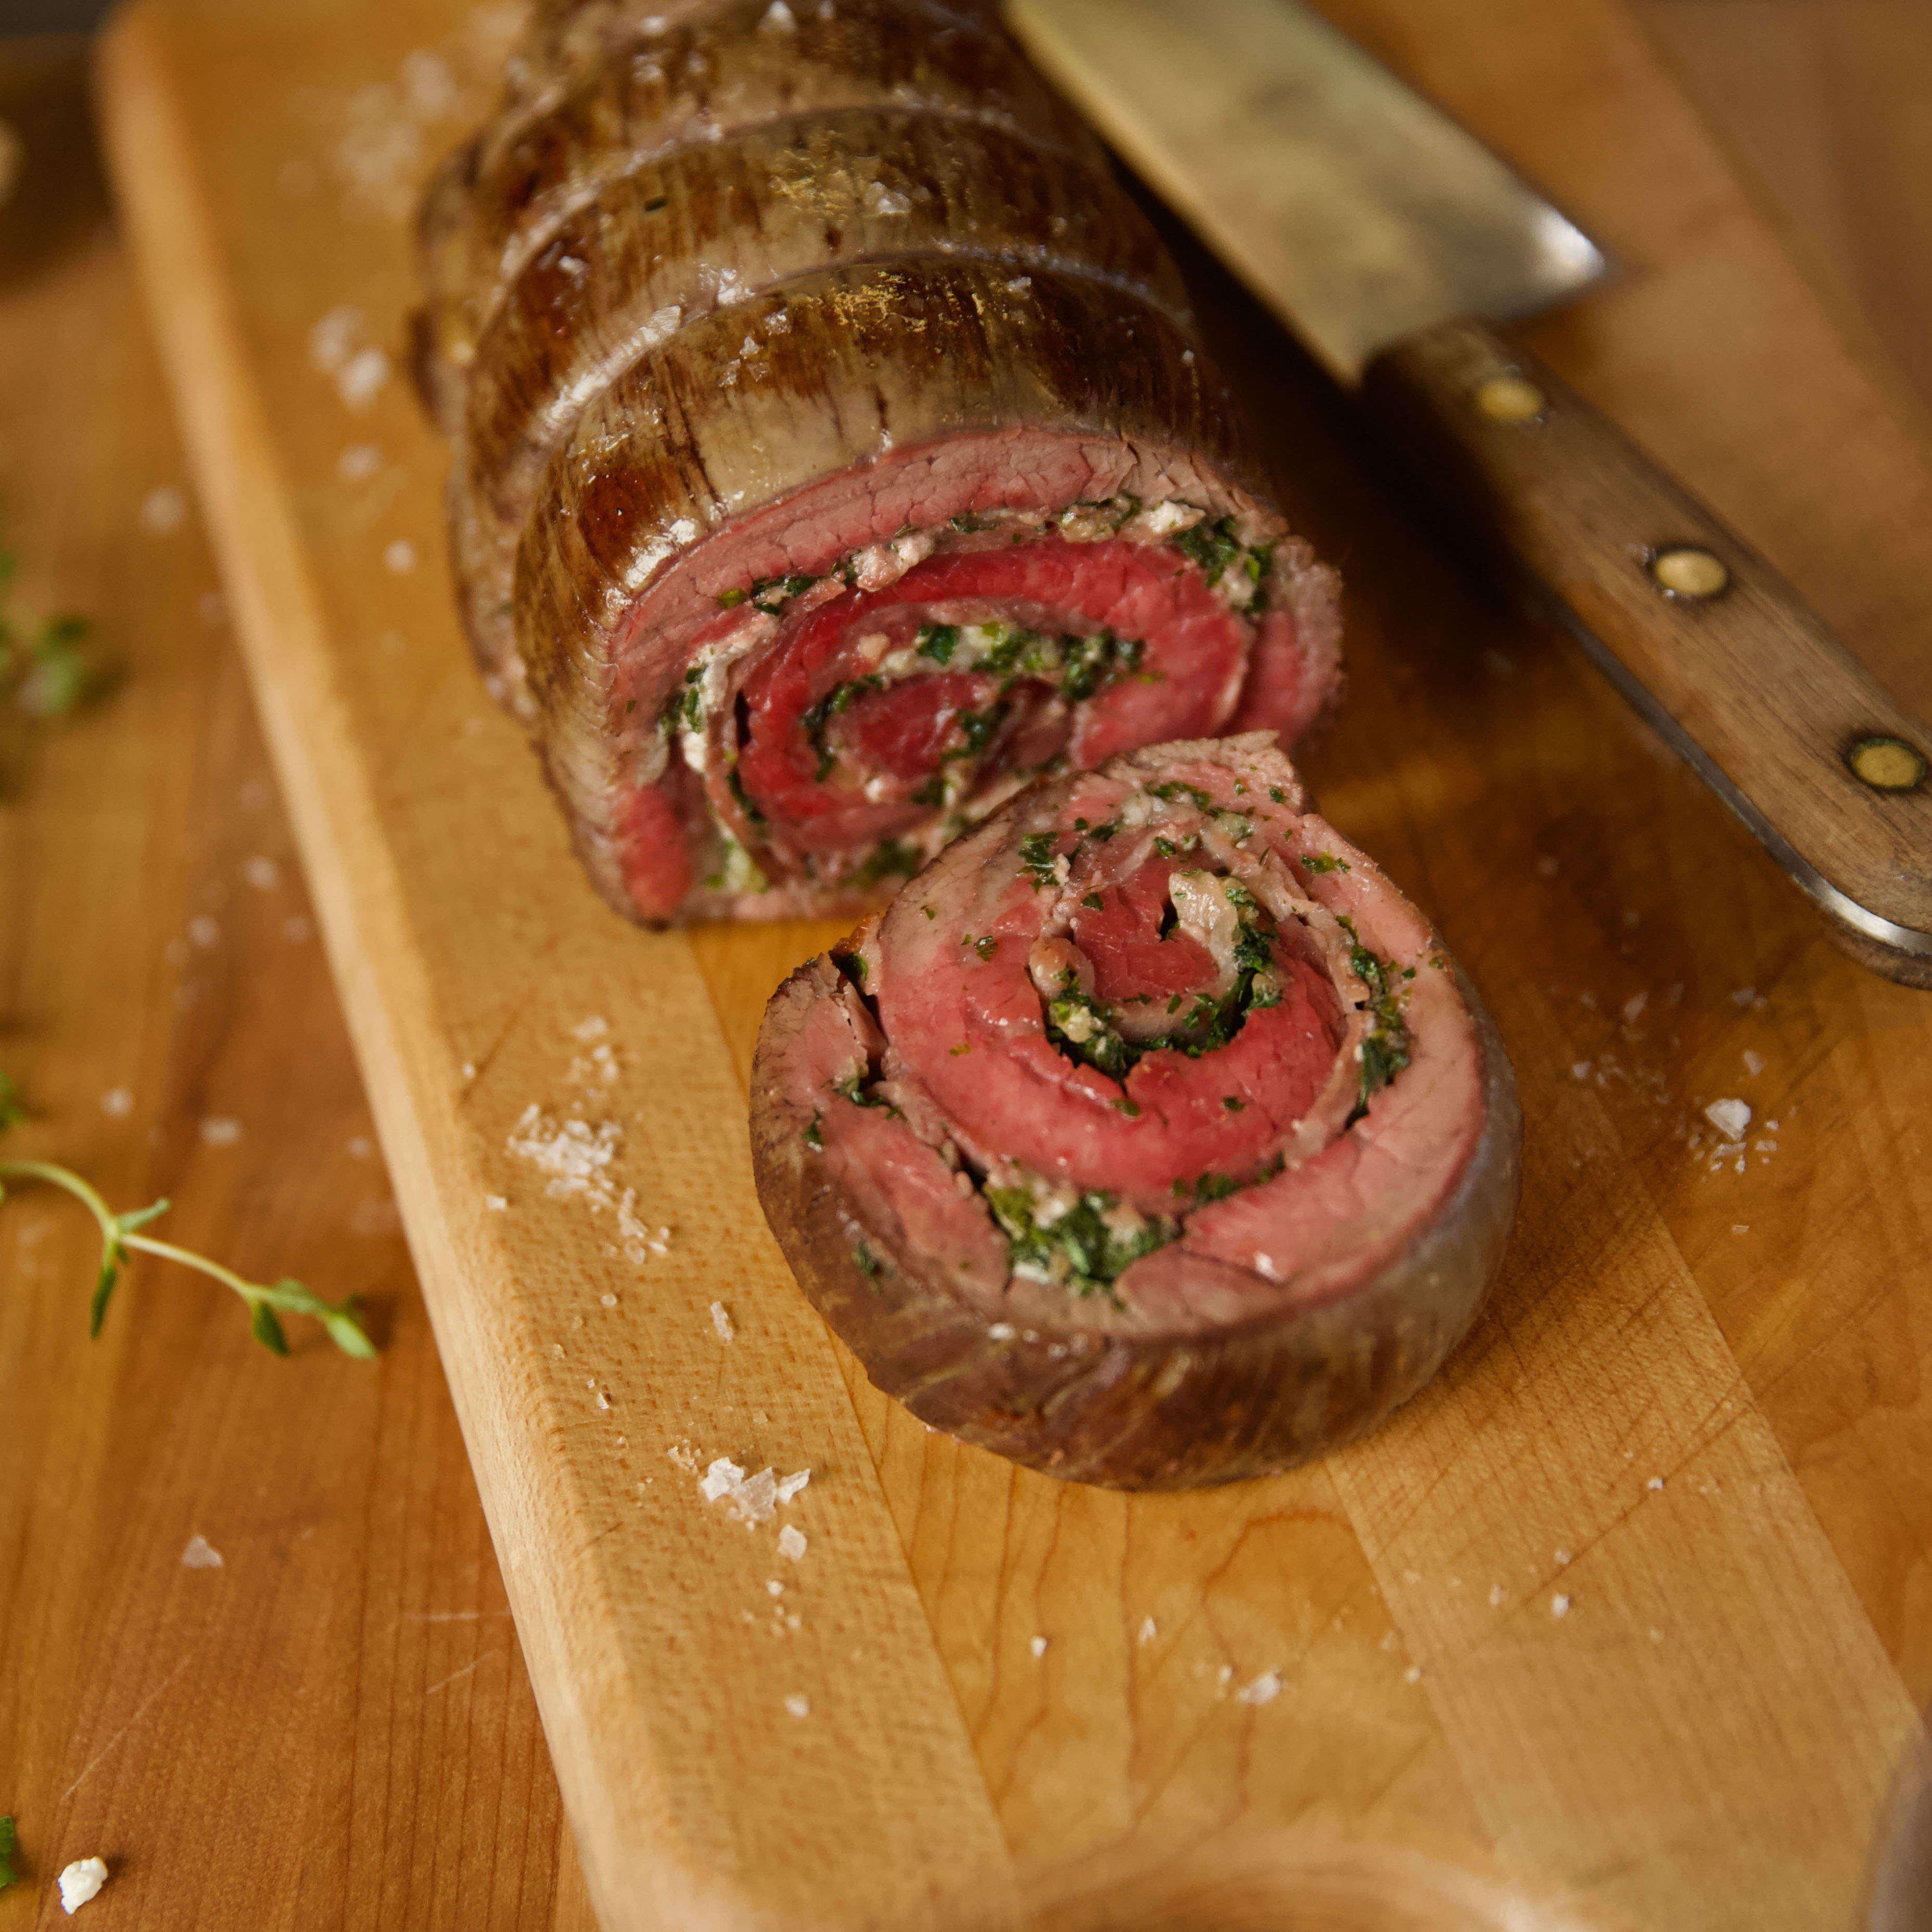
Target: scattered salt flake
1754, 1063
680, 1453
778, 17
751, 1499
1038, 1646
163, 510
1740, 1227
117, 1103
607, 1300
1655, 1483
203, 932
360, 379
261, 872
792, 1544
775, 1588
792, 1485
594, 1028
1580, 1070
1413, 1675
80, 1882
1744, 996
1148, 1632
497, 1204
200, 1554
1264, 1690
603, 1400
1656, 1635
1562, 1559
1497, 1593
799, 1706
1000, 1331
220, 1130
358, 463
1559, 1606
721, 1320
400, 557
1634, 1005
1730, 1117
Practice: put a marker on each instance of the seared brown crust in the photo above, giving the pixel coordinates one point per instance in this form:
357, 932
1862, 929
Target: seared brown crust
830, 373
1107, 1407
707, 227
706, 77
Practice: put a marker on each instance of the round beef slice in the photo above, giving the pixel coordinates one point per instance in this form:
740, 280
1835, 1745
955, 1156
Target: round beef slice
1149, 1137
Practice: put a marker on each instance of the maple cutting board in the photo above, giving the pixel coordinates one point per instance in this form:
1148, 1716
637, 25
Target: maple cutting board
1621, 1623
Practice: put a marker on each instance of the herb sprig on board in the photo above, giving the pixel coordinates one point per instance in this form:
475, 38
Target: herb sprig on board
44, 671
121, 1238
8, 1876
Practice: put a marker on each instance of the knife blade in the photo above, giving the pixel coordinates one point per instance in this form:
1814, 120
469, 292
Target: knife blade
1390, 241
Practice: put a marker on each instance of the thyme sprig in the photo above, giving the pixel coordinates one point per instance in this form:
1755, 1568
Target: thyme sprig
43, 670
120, 1236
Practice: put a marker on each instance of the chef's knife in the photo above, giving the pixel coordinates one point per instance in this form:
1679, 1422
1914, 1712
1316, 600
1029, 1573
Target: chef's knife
1389, 240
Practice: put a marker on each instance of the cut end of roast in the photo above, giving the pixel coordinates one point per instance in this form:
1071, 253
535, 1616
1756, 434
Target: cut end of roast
1150, 1138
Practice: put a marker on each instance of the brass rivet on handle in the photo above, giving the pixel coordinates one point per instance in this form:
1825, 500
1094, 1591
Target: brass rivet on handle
1887, 764
1684, 570
1511, 398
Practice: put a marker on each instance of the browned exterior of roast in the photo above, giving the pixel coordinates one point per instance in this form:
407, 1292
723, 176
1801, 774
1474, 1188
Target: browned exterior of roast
1109, 1407
705, 227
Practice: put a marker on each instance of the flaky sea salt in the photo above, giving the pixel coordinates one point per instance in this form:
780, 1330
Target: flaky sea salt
1037, 1645
117, 1103
200, 1554
1730, 1117
1264, 1690
1148, 1631
790, 1485
721, 1320
792, 1544
80, 1882
1559, 1606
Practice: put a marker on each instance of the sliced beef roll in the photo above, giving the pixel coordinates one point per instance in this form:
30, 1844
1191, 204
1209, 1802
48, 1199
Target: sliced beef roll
1150, 1138
832, 453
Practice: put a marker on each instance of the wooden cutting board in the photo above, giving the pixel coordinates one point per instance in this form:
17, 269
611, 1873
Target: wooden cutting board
1618, 1625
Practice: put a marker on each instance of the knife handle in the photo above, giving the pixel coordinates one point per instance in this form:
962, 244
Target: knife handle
1719, 653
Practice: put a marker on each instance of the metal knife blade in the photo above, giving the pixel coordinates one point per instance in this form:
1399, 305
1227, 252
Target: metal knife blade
1388, 239
1364, 214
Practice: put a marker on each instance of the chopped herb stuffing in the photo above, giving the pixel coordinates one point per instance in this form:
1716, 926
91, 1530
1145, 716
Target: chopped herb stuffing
986, 947
1323, 862
1037, 857
1175, 789
1084, 1248
1385, 1051
814, 1137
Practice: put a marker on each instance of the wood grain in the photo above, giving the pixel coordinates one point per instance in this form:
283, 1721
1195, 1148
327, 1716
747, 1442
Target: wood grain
1438, 1723
334, 1729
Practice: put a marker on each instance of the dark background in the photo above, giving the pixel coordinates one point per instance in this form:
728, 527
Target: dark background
49, 16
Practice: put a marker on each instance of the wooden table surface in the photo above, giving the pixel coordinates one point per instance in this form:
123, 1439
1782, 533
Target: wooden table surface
333, 1727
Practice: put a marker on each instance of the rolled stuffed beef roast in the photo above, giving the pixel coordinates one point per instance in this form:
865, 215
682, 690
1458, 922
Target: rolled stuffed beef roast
1149, 1137
832, 452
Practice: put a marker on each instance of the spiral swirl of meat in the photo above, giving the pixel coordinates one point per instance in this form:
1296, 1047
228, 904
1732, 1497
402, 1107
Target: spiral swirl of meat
1149, 1137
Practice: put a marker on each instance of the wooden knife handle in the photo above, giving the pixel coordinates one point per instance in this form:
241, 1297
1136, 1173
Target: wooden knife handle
1721, 654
